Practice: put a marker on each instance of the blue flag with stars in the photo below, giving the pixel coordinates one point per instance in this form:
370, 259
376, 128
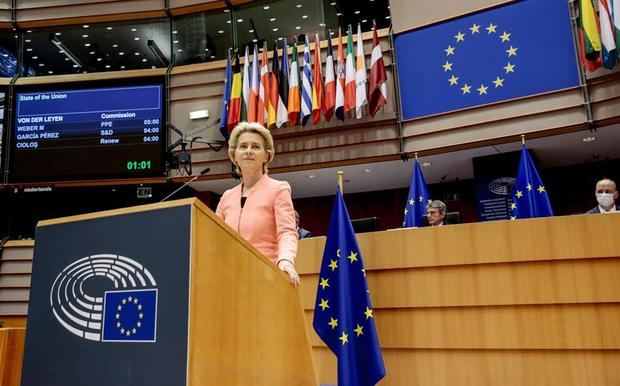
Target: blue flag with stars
530, 198
519, 49
130, 316
226, 99
417, 199
343, 315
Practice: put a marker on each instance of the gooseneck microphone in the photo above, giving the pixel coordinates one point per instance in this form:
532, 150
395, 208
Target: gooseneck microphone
202, 172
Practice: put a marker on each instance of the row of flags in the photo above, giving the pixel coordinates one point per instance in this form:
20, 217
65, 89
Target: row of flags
293, 95
599, 36
530, 198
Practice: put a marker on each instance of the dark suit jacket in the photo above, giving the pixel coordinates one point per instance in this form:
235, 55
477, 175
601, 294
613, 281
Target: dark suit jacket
303, 233
596, 210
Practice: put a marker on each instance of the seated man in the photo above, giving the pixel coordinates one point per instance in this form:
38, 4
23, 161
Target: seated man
301, 232
606, 196
436, 213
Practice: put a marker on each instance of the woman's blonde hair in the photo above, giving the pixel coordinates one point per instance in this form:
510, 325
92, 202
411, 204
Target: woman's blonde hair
250, 127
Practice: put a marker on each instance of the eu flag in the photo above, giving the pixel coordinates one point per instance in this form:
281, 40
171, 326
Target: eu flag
530, 198
417, 199
130, 316
343, 314
519, 49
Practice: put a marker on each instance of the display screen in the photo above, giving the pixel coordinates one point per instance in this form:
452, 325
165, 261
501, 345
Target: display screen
66, 134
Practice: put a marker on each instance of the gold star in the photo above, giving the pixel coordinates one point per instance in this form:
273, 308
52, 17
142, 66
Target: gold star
324, 283
510, 67
491, 28
406, 211
333, 323
505, 37
333, 264
359, 330
499, 82
512, 51
139, 307
130, 298
519, 194
127, 332
352, 257
429, 201
139, 324
528, 186
482, 89
460, 37
447, 66
122, 330
135, 301
466, 89
474, 29
421, 198
134, 330
140, 315
513, 217
344, 338
541, 189
118, 324
119, 307
124, 301
453, 80
449, 50
118, 316
411, 201
513, 206
368, 313
324, 304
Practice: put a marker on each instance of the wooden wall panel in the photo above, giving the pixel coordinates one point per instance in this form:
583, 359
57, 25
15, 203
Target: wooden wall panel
12, 342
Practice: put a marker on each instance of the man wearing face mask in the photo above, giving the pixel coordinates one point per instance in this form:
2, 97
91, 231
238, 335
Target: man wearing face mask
606, 196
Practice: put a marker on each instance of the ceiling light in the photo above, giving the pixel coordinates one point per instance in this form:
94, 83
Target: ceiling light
279, 38
212, 56
228, 21
175, 31
367, 170
226, 10
304, 17
144, 60
41, 64
121, 53
85, 26
58, 33
331, 33
50, 72
588, 139
251, 31
134, 29
298, 27
426, 164
67, 59
266, 7
136, 38
254, 40
275, 30
220, 31
92, 52
29, 31
387, 17
27, 40
364, 21
298, 5
239, 20
115, 45
322, 24
122, 67
334, 3
272, 19
339, 14
61, 51
75, 66
176, 42
84, 36
99, 59
136, 53
109, 28
357, 12
35, 57
107, 66
180, 50
312, 176
28, 49
86, 44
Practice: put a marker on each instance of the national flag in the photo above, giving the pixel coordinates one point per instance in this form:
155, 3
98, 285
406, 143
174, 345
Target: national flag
377, 93
263, 88
306, 86
589, 38
274, 94
225, 99
530, 197
417, 199
317, 83
340, 79
607, 34
343, 314
294, 104
330, 83
361, 93
254, 85
511, 51
283, 89
349, 87
234, 106
616, 21
245, 94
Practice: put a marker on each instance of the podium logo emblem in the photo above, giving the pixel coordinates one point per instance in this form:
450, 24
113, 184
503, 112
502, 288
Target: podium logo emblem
126, 313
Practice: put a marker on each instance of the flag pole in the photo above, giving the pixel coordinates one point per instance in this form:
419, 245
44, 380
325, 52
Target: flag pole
415, 155
341, 180
522, 139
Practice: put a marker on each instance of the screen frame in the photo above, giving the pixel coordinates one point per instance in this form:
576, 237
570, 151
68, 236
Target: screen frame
161, 172
4, 149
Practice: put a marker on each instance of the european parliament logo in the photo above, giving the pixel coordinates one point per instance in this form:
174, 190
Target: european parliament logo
127, 311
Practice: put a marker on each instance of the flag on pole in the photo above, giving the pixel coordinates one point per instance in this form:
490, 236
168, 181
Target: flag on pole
225, 99
343, 314
349, 87
616, 21
306, 86
294, 104
263, 88
254, 82
330, 83
283, 89
234, 106
317, 83
274, 94
245, 88
607, 34
530, 198
361, 98
340, 79
417, 199
589, 39
377, 93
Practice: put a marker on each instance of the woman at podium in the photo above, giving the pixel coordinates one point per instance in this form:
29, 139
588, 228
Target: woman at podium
260, 208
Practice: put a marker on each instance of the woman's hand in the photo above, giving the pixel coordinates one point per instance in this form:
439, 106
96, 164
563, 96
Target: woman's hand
289, 269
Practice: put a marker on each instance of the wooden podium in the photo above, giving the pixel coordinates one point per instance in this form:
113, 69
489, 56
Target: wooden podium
224, 315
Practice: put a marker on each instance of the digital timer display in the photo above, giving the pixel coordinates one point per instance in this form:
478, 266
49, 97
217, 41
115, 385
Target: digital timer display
77, 133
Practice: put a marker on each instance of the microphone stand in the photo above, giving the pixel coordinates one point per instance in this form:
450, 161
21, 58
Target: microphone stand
202, 172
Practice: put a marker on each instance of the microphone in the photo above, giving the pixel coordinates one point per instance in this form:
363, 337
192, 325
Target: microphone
202, 172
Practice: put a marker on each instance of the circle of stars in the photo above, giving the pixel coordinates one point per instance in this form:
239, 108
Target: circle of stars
460, 37
125, 302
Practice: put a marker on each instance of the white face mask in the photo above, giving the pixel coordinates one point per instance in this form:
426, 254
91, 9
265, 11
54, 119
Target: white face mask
605, 199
